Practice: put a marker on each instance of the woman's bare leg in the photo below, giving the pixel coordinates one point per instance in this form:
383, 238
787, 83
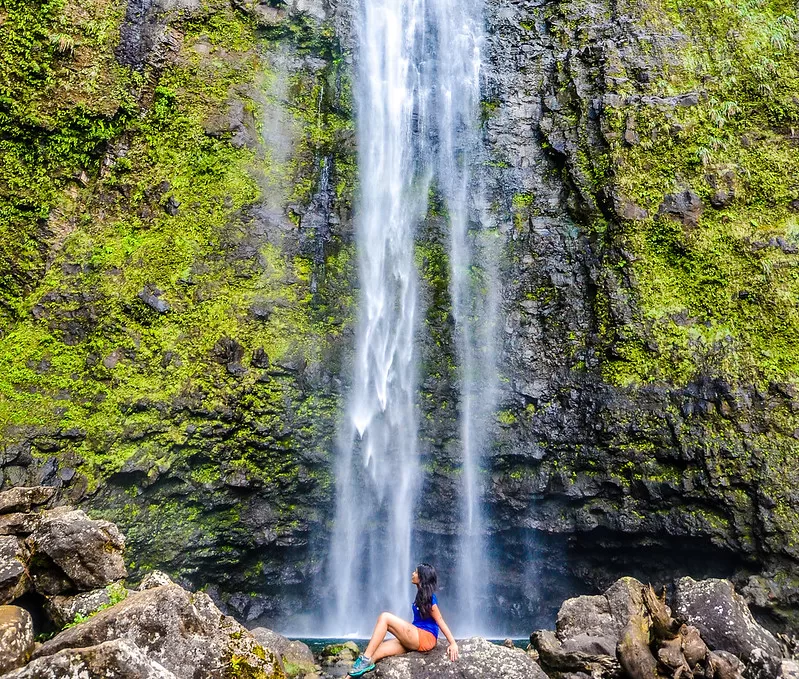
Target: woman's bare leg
387, 648
406, 633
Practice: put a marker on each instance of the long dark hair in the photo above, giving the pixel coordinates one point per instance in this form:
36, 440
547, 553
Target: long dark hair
428, 581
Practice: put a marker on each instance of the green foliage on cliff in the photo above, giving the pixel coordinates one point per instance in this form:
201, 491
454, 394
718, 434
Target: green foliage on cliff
61, 99
716, 285
177, 187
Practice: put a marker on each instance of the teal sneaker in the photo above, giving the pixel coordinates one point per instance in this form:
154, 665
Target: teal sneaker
362, 666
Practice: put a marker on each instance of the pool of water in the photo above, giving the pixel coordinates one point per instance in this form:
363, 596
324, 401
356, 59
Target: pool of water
316, 644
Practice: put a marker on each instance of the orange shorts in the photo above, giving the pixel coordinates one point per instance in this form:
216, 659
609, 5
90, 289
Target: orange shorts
427, 642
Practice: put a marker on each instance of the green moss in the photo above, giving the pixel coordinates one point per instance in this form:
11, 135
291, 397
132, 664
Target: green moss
62, 98
506, 417
241, 667
714, 298
125, 376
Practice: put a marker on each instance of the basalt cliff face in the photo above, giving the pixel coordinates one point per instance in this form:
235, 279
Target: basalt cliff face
179, 293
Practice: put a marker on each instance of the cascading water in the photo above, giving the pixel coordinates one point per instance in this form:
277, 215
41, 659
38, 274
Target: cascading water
473, 280
378, 459
418, 94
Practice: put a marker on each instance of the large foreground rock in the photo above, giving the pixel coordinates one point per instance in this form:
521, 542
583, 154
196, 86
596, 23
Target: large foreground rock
86, 554
629, 631
726, 624
593, 624
23, 499
118, 659
184, 632
479, 659
16, 637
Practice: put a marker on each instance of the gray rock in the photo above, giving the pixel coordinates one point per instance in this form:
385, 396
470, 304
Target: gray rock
144, 36
82, 553
154, 579
19, 523
725, 623
340, 654
14, 579
118, 658
733, 660
16, 637
602, 616
261, 11
685, 207
237, 122
151, 296
724, 184
295, 656
585, 615
24, 498
479, 659
591, 644
556, 658
789, 669
761, 665
184, 632
62, 609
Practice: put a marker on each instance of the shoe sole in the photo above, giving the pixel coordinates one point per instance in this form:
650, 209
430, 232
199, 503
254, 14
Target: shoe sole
360, 673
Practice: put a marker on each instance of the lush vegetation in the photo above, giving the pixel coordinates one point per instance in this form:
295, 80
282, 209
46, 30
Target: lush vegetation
118, 182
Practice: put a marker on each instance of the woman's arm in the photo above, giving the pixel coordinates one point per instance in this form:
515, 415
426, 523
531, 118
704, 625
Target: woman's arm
452, 651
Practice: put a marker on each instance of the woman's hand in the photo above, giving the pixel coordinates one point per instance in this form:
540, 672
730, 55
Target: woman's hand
452, 651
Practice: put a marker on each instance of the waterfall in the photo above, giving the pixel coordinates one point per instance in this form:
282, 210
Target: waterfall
378, 465
417, 92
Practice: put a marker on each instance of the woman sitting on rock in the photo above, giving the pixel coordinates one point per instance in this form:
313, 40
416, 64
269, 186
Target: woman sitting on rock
420, 635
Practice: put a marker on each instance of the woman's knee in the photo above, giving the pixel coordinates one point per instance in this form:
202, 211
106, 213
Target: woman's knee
385, 617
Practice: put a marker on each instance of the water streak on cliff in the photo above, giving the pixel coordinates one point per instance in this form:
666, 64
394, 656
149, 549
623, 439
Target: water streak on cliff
473, 279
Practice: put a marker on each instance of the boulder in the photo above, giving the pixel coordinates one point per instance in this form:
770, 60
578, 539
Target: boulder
14, 580
183, 631
63, 609
479, 659
16, 637
726, 624
119, 659
602, 617
591, 645
585, 615
340, 653
19, 523
296, 657
560, 659
80, 553
22, 499
154, 579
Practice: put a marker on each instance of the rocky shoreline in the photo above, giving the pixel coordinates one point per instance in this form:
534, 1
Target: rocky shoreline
66, 612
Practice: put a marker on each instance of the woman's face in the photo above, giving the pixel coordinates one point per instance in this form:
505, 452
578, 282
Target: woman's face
414, 578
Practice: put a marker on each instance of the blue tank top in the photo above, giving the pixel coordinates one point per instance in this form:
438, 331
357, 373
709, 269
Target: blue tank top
427, 624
